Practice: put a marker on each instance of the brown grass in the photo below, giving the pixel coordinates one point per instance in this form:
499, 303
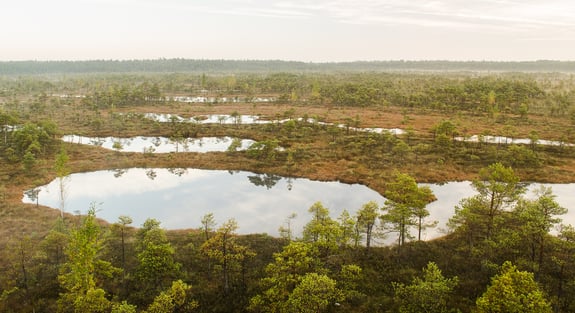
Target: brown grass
17, 218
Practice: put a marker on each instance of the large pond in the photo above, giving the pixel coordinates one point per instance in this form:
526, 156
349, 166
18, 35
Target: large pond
260, 203
160, 144
180, 197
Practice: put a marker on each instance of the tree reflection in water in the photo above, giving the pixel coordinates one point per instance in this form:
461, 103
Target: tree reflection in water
267, 180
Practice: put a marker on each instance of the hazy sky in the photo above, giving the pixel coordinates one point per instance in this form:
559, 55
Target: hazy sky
303, 30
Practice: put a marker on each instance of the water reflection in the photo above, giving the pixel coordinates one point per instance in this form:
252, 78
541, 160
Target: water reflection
267, 180
509, 140
179, 197
151, 173
450, 194
207, 119
203, 99
119, 172
254, 119
161, 144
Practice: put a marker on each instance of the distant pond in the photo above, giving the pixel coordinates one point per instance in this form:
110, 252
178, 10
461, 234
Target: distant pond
160, 144
261, 203
501, 140
254, 119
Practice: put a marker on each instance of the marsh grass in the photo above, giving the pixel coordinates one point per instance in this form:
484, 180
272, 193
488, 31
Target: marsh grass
314, 153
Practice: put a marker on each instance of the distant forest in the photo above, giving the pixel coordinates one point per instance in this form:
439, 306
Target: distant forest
243, 66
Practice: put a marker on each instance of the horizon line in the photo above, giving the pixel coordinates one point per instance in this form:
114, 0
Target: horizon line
288, 61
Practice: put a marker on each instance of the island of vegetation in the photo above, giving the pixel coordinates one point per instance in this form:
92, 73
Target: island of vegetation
386, 125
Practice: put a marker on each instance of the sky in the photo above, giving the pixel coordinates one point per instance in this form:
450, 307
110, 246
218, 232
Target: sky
298, 30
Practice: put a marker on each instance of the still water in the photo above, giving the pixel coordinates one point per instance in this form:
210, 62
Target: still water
261, 203
207, 119
254, 119
160, 144
180, 197
508, 140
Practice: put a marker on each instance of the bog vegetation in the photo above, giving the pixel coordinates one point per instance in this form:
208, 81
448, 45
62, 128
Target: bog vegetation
503, 252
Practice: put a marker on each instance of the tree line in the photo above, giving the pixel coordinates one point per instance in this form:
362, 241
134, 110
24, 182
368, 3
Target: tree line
227, 66
488, 95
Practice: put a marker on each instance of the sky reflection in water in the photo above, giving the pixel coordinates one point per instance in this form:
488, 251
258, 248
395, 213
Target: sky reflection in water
254, 119
160, 144
181, 201
260, 203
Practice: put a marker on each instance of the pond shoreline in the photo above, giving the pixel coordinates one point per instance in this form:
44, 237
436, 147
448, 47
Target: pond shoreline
174, 197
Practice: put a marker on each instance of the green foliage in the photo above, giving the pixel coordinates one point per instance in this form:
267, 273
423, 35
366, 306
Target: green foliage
224, 249
347, 230
348, 281
519, 156
427, 294
366, 220
290, 126
123, 95
94, 301
401, 151
264, 150
298, 281
156, 265
208, 223
235, 145
175, 299
513, 291
499, 185
481, 216
61, 163
405, 205
445, 127
322, 230
117, 145
123, 307
118, 247
29, 162
352, 94
540, 214
31, 140
314, 294
523, 110
536, 218
283, 275
5, 295
78, 274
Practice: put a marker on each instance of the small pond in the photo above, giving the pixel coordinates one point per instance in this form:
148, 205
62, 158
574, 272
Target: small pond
202, 99
254, 119
508, 140
260, 203
207, 119
160, 144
